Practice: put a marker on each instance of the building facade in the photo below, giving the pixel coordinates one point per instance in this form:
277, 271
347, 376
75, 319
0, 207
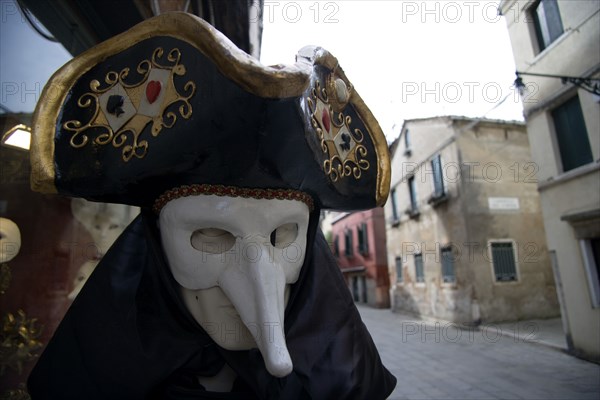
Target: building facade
563, 124
359, 245
464, 228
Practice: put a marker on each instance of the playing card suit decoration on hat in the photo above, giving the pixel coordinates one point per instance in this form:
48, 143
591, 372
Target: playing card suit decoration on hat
344, 155
119, 119
172, 103
152, 91
114, 105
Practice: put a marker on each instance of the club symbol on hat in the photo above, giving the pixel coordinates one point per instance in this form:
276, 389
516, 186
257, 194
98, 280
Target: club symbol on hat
346, 142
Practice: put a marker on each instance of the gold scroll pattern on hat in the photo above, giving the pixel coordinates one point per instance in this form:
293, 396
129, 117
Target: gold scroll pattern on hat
345, 153
122, 110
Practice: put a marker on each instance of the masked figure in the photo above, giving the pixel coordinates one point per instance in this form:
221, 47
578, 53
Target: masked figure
105, 223
10, 240
223, 287
10, 244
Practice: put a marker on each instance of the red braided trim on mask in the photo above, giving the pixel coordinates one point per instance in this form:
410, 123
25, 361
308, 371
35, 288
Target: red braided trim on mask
231, 191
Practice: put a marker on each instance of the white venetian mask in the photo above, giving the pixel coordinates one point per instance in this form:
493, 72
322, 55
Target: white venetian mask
235, 259
10, 240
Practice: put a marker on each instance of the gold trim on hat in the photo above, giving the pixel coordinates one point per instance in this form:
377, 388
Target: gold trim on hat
269, 82
232, 191
320, 56
233, 63
384, 170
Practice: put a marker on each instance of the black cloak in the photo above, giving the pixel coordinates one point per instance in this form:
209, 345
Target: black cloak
128, 335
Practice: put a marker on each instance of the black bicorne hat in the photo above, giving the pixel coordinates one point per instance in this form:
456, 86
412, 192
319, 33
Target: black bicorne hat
173, 102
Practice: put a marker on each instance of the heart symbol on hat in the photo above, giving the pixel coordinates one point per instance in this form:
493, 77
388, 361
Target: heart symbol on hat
152, 91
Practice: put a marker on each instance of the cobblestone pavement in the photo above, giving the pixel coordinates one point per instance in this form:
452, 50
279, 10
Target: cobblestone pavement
439, 361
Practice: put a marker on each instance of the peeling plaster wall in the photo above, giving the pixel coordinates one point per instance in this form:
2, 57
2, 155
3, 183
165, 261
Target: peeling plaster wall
477, 161
503, 168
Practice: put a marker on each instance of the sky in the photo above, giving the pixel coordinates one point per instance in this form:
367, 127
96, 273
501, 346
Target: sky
407, 59
26, 60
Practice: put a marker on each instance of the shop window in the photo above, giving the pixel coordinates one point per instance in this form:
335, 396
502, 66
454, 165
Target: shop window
359, 288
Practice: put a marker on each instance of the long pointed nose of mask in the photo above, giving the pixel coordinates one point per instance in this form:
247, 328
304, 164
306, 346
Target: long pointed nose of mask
257, 292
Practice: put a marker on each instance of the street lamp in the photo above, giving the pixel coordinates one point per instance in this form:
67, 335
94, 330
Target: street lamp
591, 85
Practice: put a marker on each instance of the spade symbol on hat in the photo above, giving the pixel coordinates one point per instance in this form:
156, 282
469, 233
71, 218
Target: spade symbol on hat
114, 105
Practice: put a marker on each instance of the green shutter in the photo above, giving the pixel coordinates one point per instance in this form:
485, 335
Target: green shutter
503, 258
399, 277
571, 135
448, 265
419, 273
394, 205
438, 177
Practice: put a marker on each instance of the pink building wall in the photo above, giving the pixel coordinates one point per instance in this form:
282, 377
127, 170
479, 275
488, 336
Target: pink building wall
370, 270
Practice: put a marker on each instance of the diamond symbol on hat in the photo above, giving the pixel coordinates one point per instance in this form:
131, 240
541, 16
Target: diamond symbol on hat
323, 116
117, 107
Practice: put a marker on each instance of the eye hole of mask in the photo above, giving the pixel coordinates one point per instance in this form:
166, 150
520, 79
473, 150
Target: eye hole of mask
284, 235
212, 240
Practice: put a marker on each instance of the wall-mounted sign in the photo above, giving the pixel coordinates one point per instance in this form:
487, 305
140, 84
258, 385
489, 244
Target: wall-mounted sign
503, 203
